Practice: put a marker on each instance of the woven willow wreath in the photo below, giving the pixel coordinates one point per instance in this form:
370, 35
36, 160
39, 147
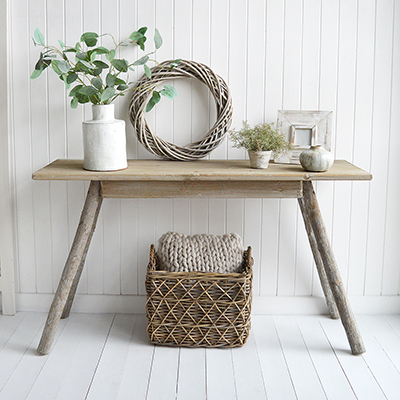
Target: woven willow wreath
185, 69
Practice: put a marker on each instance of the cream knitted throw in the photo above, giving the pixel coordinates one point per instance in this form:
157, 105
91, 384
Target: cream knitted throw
204, 253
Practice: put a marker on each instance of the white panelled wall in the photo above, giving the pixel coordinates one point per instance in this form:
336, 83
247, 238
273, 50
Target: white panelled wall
275, 55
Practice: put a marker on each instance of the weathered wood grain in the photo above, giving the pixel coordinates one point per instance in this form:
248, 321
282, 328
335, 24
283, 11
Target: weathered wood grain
330, 301
187, 189
313, 212
203, 170
74, 264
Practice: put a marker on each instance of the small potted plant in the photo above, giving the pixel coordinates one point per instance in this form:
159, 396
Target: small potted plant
99, 75
260, 142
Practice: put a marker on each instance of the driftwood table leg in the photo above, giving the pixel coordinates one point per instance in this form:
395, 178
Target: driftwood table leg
78, 274
331, 269
330, 301
73, 266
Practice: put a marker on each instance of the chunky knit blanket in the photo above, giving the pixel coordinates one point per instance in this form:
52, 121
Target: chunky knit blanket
204, 253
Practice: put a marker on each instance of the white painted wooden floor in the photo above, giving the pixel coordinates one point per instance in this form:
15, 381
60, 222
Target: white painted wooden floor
107, 356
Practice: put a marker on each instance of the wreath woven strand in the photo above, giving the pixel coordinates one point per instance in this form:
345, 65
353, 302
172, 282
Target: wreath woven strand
185, 69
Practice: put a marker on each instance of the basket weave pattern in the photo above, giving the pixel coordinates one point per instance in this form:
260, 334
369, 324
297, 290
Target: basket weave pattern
185, 69
198, 309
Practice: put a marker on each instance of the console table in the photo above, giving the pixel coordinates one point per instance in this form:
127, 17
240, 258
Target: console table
207, 178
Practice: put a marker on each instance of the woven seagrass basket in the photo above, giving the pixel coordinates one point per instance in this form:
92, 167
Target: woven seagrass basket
198, 309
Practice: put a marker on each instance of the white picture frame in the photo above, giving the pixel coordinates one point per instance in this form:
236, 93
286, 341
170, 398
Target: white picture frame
303, 129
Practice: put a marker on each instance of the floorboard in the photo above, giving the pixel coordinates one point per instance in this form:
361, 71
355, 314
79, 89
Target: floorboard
135, 378
355, 368
248, 375
220, 374
108, 356
110, 368
302, 370
277, 379
63, 356
378, 361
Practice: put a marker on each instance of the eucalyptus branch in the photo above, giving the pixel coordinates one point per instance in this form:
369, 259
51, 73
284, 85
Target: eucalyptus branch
97, 81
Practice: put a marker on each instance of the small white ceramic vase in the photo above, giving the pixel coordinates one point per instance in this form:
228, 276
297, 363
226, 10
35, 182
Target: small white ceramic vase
316, 159
259, 159
104, 141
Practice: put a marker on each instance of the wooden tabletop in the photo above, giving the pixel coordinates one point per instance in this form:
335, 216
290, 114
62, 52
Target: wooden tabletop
204, 170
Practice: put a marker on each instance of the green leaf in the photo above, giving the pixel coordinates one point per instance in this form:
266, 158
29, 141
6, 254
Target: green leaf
90, 38
38, 37
100, 50
54, 65
110, 55
119, 81
110, 80
36, 73
107, 94
83, 99
70, 50
64, 78
167, 93
64, 67
39, 64
97, 71
75, 90
72, 78
81, 67
175, 62
88, 90
141, 61
74, 102
97, 83
147, 71
155, 98
61, 43
141, 41
100, 64
157, 39
122, 87
171, 89
135, 36
143, 30
82, 56
120, 64
86, 64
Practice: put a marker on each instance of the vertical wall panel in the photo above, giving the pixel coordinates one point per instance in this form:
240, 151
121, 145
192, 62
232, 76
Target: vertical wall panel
129, 246
344, 127
219, 51
379, 146
238, 25
362, 144
57, 104
327, 101
391, 270
290, 101
40, 152
20, 73
274, 42
310, 71
316, 54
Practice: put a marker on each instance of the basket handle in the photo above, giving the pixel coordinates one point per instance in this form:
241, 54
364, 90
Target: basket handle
248, 260
152, 265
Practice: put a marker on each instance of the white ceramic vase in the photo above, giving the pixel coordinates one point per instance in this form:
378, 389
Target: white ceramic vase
104, 141
259, 159
316, 159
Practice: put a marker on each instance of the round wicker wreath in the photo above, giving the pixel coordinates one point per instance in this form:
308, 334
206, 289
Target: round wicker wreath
163, 72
